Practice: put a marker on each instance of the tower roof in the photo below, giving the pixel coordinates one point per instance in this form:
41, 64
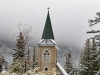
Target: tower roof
48, 32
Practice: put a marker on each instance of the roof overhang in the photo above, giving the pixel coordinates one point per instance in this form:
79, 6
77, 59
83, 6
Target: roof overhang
47, 42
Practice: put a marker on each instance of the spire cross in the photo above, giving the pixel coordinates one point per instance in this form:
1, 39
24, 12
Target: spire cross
48, 8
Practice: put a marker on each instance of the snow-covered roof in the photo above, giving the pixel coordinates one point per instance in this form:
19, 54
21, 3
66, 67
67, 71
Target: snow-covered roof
47, 42
61, 69
57, 47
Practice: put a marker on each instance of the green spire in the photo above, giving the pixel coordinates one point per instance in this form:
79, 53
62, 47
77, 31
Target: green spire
48, 32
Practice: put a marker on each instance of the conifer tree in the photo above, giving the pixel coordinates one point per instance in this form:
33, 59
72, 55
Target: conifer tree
94, 62
72, 72
19, 54
91, 23
85, 66
20, 47
68, 64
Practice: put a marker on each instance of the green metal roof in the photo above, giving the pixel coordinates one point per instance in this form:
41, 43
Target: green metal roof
48, 32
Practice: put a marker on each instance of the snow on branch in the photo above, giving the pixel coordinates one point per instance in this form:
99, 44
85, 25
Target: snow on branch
95, 21
93, 31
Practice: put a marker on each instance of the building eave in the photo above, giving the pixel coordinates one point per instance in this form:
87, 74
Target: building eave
61, 68
47, 42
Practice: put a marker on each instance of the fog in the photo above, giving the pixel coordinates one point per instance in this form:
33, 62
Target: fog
69, 19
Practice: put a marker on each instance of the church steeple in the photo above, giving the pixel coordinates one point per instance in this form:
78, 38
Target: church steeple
48, 32
47, 52
47, 36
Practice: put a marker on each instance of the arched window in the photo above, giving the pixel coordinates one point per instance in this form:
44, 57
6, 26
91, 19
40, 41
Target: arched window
46, 56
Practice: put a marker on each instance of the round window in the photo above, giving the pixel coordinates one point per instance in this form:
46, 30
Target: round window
46, 68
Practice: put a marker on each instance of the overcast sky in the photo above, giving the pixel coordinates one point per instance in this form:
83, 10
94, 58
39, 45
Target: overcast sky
69, 18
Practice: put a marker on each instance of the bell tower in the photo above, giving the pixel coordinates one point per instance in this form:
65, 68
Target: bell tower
47, 52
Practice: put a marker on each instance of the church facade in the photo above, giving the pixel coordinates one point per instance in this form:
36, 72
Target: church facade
47, 50
47, 55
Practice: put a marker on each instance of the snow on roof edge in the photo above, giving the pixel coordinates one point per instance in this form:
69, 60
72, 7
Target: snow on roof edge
40, 41
52, 41
60, 67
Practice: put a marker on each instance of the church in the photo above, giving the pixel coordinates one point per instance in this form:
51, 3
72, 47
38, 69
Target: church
46, 63
47, 50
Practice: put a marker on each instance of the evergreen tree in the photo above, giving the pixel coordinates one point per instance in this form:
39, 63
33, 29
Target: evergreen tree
94, 62
85, 66
19, 52
72, 72
68, 64
98, 73
89, 64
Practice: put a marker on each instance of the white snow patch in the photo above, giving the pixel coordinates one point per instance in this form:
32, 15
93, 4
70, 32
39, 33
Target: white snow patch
62, 70
47, 42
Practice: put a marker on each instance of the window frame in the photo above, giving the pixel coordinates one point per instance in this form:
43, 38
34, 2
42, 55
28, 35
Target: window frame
45, 56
